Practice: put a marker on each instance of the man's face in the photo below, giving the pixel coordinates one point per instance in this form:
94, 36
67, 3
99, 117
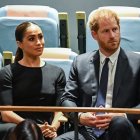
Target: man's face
108, 36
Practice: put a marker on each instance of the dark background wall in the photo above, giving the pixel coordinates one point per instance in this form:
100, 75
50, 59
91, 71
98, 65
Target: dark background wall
71, 6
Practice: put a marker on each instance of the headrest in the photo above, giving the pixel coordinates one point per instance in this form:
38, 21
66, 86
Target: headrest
8, 25
28, 11
56, 53
124, 11
31, 11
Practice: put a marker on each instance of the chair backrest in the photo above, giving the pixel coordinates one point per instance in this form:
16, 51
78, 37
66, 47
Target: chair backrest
130, 29
62, 57
12, 15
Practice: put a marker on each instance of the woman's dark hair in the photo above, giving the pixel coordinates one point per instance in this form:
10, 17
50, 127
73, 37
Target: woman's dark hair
26, 130
19, 34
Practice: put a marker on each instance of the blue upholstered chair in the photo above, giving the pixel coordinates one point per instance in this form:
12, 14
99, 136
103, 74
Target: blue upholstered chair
46, 17
130, 29
12, 15
62, 57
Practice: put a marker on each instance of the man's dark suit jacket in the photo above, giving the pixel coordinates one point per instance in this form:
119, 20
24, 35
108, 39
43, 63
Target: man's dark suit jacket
81, 88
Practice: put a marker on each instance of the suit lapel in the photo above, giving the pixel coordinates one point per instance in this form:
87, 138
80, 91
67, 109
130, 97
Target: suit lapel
120, 71
94, 71
96, 62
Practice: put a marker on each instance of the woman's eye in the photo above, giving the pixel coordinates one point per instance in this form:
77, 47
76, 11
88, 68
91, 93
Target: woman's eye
31, 39
41, 36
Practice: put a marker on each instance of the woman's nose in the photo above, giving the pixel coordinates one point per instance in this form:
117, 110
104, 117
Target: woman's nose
38, 41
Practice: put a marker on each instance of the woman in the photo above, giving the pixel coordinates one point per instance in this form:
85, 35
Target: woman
26, 130
29, 81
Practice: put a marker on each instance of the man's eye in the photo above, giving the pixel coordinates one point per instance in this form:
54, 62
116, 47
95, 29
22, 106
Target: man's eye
105, 31
115, 29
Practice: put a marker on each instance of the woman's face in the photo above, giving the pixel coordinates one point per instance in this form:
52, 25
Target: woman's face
33, 41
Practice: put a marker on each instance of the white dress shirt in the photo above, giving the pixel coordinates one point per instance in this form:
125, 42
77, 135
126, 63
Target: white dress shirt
112, 69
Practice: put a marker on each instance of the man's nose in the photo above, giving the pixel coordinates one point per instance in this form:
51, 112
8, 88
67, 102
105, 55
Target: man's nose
112, 34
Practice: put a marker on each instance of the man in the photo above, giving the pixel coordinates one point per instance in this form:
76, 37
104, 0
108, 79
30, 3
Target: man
123, 84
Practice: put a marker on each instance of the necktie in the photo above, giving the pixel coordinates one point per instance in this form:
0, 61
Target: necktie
103, 85
102, 93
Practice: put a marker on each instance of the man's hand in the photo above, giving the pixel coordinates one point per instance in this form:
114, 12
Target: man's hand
100, 121
103, 120
88, 119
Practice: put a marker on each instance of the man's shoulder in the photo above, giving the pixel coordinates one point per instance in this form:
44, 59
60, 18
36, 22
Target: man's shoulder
86, 56
132, 54
133, 58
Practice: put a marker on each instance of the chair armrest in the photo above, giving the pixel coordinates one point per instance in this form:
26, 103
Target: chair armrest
60, 118
63, 119
7, 57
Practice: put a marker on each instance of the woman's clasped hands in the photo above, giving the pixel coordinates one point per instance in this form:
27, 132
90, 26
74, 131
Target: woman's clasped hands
48, 130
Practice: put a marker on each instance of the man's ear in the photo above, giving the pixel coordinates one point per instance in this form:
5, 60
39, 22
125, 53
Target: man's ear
94, 34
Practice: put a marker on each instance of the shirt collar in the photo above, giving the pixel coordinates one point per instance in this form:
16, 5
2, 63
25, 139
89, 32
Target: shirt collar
112, 58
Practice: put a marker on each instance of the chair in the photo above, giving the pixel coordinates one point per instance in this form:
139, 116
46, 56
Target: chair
45, 16
130, 31
64, 30
81, 31
53, 24
13, 15
62, 57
